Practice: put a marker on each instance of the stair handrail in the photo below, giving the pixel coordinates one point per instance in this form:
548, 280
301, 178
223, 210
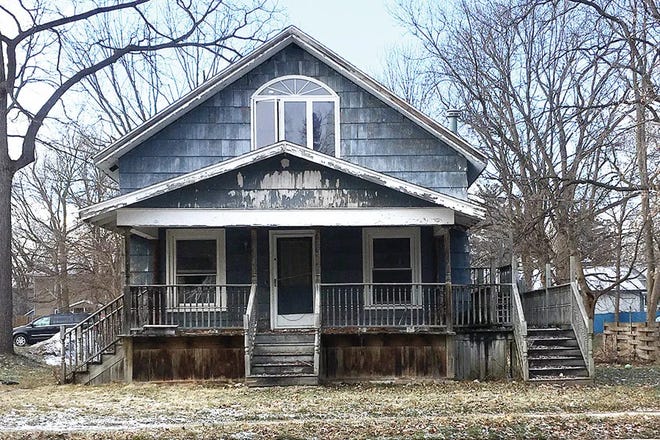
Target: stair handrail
250, 327
519, 331
317, 328
92, 337
583, 327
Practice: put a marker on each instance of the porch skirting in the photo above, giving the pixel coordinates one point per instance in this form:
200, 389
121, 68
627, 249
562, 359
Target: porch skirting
364, 357
184, 357
344, 357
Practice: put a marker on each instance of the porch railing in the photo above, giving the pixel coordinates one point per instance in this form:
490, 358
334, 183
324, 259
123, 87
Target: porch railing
519, 332
189, 306
478, 305
583, 327
88, 340
250, 327
549, 306
377, 305
317, 328
414, 305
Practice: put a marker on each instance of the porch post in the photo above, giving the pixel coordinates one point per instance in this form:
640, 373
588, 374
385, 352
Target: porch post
450, 297
253, 255
128, 299
451, 340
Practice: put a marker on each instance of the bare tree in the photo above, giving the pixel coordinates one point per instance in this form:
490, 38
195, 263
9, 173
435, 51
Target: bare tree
538, 98
36, 70
634, 30
77, 259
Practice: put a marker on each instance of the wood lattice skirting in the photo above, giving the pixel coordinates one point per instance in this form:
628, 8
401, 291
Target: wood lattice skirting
635, 341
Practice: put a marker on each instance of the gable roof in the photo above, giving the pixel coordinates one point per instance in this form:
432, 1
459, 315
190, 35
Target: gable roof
100, 212
107, 159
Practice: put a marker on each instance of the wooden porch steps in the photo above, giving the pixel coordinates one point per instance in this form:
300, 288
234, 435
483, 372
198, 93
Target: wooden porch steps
109, 368
282, 358
554, 356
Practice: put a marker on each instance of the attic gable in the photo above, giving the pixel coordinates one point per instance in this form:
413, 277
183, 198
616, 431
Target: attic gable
290, 37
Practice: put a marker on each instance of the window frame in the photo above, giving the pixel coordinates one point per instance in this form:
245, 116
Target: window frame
309, 110
174, 235
368, 236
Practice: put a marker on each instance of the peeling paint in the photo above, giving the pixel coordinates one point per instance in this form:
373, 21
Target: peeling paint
283, 180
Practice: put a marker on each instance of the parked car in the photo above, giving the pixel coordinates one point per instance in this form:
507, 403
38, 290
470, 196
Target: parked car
45, 327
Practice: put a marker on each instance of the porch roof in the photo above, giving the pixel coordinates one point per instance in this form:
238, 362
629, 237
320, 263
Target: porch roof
448, 209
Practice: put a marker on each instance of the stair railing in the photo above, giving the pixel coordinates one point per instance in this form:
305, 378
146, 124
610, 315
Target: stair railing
250, 327
519, 331
583, 327
88, 340
317, 327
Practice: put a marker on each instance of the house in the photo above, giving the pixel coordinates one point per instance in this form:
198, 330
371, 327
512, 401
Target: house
292, 221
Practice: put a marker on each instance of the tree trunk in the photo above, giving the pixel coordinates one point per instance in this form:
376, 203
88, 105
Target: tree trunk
6, 297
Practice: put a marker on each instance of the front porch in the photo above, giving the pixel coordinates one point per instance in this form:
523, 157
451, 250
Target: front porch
338, 307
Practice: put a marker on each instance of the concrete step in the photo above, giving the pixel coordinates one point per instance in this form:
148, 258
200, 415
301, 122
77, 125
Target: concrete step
284, 380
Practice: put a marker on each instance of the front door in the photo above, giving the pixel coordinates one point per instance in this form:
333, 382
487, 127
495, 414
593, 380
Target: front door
292, 279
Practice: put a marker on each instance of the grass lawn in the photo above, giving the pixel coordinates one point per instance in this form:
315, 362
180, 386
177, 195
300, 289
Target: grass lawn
622, 404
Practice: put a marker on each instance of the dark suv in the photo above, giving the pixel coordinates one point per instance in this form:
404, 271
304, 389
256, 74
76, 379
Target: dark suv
45, 327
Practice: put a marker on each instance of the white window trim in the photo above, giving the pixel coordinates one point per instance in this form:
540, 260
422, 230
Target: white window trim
368, 235
279, 130
171, 236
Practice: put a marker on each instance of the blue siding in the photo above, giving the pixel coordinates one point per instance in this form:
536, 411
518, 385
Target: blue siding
271, 185
600, 319
341, 255
142, 261
372, 134
460, 257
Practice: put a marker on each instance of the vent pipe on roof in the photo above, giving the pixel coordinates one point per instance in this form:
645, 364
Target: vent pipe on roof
452, 116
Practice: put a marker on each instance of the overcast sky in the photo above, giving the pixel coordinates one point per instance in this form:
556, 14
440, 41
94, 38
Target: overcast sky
361, 31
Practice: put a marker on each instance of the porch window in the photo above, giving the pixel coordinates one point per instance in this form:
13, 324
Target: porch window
297, 109
196, 267
391, 266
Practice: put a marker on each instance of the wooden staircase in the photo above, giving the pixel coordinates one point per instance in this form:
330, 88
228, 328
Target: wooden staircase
283, 358
554, 356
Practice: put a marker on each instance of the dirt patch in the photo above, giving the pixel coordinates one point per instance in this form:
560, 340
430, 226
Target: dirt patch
22, 372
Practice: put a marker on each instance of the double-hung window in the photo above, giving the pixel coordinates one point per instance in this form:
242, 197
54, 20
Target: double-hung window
196, 267
299, 110
391, 266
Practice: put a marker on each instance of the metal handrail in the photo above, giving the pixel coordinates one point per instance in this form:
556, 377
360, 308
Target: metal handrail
88, 340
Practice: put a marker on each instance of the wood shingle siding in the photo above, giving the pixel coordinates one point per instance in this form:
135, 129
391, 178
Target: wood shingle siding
373, 134
283, 183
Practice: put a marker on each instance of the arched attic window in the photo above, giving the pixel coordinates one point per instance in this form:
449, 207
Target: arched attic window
297, 109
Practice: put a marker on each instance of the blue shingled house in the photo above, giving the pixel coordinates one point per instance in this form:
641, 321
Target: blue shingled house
293, 221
